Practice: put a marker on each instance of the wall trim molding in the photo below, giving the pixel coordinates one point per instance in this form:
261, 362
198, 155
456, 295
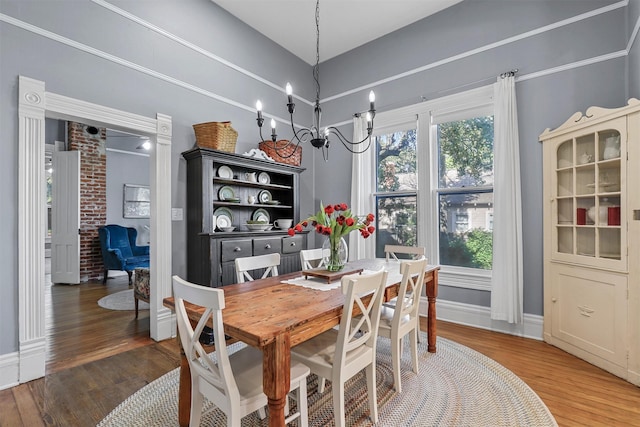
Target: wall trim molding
88, 49
480, 317
193, 47
34, 104
481, 49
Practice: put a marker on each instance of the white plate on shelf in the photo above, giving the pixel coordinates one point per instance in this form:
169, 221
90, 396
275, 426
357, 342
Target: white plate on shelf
264, 196
225, 172
224, 217
261, 215
226, 193
264, 178
258, 227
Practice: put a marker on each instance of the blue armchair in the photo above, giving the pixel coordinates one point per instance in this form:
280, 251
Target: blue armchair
119, 250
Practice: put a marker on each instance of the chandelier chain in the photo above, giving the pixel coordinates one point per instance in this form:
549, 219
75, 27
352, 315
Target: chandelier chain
316, 68
319, 138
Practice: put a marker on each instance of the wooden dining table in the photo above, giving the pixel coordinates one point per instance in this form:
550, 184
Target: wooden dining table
274, 317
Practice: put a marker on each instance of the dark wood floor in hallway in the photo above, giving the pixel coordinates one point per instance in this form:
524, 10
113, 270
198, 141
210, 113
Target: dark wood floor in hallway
98, 357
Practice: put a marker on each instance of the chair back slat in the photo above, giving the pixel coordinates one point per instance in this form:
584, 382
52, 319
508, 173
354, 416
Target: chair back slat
312, 258
392, 251
270, 262
364, 292
410, 289
217, 372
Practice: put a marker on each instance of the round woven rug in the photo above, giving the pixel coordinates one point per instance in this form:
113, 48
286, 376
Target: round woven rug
456, 386
122, 300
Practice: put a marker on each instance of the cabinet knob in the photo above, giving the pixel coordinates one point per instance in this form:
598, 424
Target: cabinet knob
292, 244
237, 249
267, 246
554, 299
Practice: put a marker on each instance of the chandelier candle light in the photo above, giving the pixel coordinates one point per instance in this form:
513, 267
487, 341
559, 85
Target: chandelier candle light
335, 222
314, 134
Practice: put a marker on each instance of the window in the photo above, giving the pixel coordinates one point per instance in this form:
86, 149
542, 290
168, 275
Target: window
465, 191
396, 187
434, 184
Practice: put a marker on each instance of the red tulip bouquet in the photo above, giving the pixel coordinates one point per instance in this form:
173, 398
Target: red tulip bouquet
335, 222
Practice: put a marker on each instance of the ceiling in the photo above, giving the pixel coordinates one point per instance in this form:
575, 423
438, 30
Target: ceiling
344, 24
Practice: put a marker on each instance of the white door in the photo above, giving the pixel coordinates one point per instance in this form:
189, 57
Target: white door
65, 218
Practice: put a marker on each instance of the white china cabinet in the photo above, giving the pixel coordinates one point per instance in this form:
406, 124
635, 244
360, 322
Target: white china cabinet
592, 238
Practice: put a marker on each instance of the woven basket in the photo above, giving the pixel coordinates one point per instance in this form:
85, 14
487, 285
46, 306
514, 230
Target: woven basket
286, 155
217, 135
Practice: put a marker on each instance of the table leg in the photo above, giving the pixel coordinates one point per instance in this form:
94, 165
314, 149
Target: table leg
432, 294
184, 390
276, 377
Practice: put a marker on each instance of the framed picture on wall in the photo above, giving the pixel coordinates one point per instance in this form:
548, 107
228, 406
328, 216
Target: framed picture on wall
136, 201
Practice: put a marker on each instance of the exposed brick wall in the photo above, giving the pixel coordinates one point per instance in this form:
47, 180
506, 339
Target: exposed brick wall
93, 194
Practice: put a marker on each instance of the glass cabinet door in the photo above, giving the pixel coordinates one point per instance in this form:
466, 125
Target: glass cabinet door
588, 180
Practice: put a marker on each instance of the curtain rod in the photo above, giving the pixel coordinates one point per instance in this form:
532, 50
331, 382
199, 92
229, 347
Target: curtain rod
424, 98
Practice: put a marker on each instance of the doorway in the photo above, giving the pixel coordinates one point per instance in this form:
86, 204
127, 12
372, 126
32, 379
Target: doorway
34, 104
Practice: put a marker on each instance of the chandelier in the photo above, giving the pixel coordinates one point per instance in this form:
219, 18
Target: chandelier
318, 137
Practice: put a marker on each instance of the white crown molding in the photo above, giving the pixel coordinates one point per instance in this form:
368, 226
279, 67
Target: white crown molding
193, 47
484, 48
201, 91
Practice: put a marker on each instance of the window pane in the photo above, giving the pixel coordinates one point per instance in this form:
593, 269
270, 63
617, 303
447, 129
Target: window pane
465, 150
396, 222
466, 230
396, 160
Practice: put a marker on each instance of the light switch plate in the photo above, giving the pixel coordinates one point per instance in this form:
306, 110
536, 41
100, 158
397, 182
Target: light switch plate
176, 214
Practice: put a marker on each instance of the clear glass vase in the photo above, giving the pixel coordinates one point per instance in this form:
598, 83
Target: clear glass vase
336, 253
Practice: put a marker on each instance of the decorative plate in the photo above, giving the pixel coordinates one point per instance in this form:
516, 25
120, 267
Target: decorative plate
257, 227
224, 217
261, 215
264, 178
272, 202
264, 196
227, 193
225, 172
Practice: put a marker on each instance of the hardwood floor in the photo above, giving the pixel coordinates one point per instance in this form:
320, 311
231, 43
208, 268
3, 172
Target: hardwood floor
98, 357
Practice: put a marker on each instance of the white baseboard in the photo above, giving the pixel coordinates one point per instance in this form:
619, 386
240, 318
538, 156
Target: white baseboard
33, 359
480, 317
9, 370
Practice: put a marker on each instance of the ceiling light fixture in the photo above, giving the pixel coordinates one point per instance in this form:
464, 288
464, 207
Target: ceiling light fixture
317, 137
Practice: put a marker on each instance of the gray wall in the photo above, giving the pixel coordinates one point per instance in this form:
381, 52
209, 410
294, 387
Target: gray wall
140, 87
545, 101
123, 168
633, 71
542, 101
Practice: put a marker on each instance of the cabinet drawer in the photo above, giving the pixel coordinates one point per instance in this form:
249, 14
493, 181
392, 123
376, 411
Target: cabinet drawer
232, 249
267, 245
292, 244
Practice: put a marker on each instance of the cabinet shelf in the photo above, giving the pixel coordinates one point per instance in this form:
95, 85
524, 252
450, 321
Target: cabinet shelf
251, 184
250, 205
211, 252
590, 267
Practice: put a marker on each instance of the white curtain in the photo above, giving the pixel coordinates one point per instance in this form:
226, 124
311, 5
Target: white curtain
361, 191
507, 282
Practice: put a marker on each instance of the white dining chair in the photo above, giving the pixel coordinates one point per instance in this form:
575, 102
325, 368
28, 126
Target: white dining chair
414, 252
311, 258
269, 262
403, 319
341, 354
232, 382
392, 252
